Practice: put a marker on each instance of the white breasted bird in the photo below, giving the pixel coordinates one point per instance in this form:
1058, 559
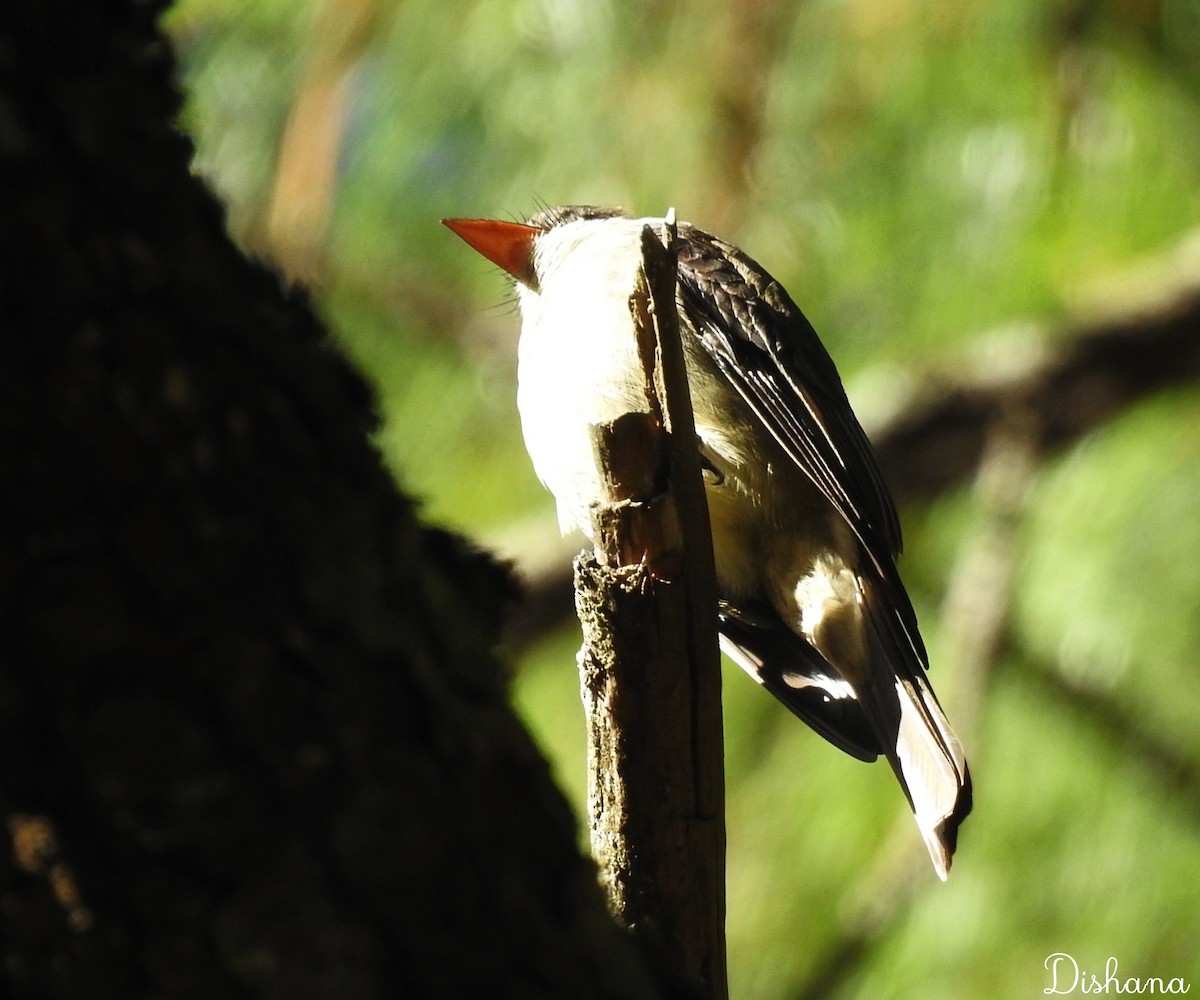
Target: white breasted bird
805, 533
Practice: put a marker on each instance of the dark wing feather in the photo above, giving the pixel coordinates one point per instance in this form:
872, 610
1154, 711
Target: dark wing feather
796, 674
770, 353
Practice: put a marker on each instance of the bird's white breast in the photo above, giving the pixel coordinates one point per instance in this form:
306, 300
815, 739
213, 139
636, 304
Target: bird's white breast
577, 359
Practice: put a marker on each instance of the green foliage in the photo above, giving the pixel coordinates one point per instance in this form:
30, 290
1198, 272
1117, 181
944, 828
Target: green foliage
916, 174
1109, 591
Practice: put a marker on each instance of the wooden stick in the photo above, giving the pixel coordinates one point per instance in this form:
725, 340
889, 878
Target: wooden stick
649, 666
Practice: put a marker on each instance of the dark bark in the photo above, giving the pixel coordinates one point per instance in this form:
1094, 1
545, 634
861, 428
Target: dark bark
254, 741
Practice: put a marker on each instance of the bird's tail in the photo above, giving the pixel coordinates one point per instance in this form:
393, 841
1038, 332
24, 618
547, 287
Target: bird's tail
894, 712
915, 736
929, 762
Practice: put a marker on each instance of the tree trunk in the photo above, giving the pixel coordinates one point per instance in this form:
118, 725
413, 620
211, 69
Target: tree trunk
254, 740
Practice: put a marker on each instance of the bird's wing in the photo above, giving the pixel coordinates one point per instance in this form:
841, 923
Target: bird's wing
770, 353
764, 346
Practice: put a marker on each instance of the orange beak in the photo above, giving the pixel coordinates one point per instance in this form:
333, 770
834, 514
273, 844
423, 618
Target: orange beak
508, 244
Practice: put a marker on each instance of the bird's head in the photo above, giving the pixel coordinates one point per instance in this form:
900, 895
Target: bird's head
528, 251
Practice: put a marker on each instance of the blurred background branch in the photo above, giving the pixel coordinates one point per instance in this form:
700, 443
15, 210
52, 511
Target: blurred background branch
1062, 384
302, 198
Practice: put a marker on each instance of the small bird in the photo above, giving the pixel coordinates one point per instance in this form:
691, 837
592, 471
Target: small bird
805, 532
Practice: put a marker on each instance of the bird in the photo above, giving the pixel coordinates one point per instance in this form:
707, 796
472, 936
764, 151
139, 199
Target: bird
804, 529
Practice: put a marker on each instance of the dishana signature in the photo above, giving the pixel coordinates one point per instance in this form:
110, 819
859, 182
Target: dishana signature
1066, 976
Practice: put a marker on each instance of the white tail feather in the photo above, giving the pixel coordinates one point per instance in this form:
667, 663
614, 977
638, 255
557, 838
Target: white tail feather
933, 767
